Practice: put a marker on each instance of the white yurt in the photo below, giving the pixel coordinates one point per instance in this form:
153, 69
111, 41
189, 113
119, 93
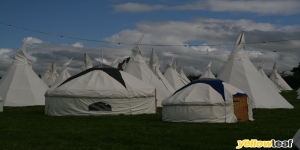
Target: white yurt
203, 100
101, 91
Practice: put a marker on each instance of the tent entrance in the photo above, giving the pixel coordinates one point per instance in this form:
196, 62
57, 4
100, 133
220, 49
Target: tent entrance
241, 108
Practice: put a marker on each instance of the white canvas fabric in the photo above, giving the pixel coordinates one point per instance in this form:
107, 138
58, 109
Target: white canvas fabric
262, 72
278, 81
199, 102
115, 63
241, 73
208, 73
47, 74
137, 67
64, 74
21, 86
183, 76
74, 97
53, 76
154, 66
87, 62
172, 75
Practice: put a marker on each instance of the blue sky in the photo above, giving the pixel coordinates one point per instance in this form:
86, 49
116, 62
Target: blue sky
172, 22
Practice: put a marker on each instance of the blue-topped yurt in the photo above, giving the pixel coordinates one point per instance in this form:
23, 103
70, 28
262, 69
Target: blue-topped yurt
203, 100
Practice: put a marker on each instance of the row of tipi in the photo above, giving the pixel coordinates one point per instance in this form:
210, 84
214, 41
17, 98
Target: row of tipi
20, 86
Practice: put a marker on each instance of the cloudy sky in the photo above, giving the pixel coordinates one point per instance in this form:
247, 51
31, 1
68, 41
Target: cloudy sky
193, 31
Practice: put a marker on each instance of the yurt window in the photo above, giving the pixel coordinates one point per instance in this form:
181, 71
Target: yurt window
99, 106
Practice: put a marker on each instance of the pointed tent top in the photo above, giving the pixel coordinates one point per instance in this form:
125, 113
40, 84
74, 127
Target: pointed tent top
115, 63
158, 65
174, 65
275, 66
68, 62
181, 66
239, 45
136, 50
209, 65
169, 64
153, 59
20, 56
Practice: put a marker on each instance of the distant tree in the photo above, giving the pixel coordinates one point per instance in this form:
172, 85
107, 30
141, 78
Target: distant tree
121, 63
296, 70
193, 76
283, 74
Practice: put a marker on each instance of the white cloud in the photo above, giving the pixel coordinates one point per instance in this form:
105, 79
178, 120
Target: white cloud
258, 6
136, 7
192, 70
203, 48
209, 33
32, 40
104, 61
78, 44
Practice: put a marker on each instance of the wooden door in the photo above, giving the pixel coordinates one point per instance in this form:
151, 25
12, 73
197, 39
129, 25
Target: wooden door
241, 108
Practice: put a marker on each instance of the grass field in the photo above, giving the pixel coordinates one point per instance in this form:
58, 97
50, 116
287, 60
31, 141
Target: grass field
29, 128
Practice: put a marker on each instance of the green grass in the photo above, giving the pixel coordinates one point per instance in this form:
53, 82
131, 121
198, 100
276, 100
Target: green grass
29, 128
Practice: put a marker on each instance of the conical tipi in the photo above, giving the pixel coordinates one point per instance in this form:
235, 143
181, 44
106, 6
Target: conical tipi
241, 73
64, 74
183, 76
139, 69
47, 74
115, 63
21, 86
53, 76
87, 62
208, 73
172, 75
154, 66
262, 72
278, 81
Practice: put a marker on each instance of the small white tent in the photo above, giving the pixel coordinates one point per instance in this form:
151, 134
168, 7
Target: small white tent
115, 63
154, 66
53, 76
241, 73
208, 73
172, 75
100, 91
183, 76
87, 62
47, 74
262, 72
203, 100
21, 86
64, 74
137, 67
278, 81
